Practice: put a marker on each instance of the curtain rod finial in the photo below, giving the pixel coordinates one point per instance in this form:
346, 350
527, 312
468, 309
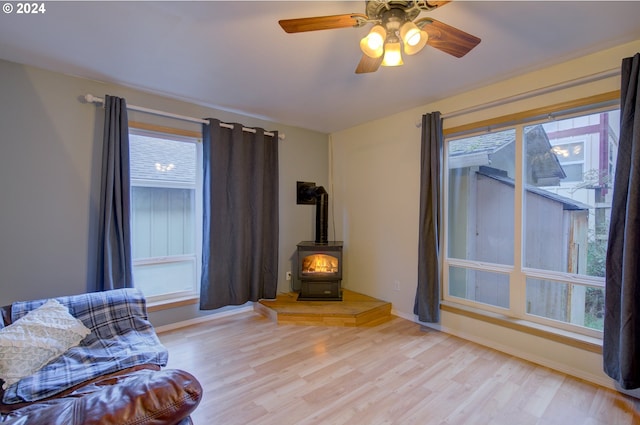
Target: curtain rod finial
89, 98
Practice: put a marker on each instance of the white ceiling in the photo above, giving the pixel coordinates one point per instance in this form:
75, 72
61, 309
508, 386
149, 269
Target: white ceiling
233, 55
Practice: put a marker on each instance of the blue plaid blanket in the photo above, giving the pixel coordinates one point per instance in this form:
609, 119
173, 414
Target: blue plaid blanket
121, 337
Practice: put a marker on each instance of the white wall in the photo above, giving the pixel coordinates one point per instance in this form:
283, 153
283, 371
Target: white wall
376, 169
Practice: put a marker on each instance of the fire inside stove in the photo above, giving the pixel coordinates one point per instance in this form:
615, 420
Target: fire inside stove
319, 263
319, 268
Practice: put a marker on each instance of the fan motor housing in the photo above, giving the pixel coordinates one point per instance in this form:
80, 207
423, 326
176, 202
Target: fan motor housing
376, 8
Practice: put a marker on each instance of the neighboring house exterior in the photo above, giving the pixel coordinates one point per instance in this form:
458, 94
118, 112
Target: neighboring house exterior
163, 215
587, 148
567, 197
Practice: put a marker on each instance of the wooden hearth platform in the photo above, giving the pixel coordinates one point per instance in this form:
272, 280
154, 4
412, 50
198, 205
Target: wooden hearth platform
354, 310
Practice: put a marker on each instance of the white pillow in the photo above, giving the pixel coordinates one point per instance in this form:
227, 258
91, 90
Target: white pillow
37, 338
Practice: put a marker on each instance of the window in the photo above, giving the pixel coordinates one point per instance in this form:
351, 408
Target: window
571, 158
166, 225
527, 219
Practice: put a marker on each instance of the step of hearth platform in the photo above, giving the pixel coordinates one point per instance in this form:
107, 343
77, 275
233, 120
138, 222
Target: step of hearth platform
354, 310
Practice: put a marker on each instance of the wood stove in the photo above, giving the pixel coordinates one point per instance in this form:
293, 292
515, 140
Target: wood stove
320, 271
319, 261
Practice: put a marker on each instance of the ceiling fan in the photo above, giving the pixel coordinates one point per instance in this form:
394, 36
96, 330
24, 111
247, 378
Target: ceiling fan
395, 25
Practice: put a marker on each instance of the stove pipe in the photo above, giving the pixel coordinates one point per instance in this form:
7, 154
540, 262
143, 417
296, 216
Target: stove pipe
322, 215
309, 193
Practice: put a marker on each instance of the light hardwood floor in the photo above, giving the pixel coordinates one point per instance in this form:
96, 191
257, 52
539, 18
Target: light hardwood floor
257, 372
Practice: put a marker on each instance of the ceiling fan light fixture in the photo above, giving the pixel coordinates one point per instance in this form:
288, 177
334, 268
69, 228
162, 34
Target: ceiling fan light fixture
373, 44
392, 53
413, 38
396, 28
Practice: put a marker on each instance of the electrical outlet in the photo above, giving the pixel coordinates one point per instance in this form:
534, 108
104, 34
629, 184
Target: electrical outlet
288, 275
396, 285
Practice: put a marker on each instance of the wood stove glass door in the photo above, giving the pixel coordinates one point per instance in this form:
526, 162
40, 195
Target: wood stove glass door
324, 264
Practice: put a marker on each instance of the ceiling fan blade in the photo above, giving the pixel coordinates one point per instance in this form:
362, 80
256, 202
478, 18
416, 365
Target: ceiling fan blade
368, 64
321, 22
447, 38
434, 4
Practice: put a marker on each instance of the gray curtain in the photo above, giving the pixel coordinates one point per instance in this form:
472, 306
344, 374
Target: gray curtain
240, 239
621, 340
427, 302
114, 234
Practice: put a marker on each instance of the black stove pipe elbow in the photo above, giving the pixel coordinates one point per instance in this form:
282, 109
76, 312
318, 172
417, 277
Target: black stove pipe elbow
309, 193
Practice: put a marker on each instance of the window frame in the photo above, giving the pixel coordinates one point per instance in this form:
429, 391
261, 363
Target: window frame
517, 273
185, 136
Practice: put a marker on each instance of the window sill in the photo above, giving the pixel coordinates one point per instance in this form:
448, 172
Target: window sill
172, 303
572, 339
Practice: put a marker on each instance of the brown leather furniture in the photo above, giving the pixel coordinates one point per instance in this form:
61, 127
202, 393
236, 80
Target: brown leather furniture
143, 394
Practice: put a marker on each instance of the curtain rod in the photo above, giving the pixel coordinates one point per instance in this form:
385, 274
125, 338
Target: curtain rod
93, 99
531, 93
536, 92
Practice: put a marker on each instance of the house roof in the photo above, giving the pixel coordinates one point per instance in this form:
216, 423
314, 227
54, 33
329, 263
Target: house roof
568, 204
485, 143
160, 160
543, 166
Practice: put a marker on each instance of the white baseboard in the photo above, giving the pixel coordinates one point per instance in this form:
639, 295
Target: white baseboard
202, 319
409, 317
